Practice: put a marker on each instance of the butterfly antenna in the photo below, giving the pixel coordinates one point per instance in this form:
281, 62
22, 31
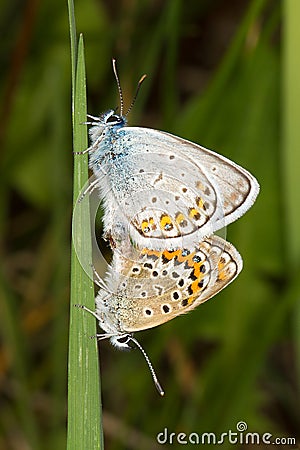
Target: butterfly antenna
155, 379
119, 86
136, 93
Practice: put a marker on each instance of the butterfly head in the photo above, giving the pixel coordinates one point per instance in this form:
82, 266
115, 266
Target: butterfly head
121, 342
111, 119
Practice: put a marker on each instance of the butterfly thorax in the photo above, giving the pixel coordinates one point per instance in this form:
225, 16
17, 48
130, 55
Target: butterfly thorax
103, 136
115, 312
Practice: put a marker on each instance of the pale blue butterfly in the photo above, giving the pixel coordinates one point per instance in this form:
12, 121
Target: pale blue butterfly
164, 191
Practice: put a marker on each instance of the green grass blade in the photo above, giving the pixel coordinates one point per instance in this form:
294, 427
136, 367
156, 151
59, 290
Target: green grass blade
84, 401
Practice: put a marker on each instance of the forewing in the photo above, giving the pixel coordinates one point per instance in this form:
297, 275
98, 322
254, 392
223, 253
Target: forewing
237, 187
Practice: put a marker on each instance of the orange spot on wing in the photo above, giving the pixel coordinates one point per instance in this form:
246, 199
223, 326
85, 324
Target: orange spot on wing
223, 275
196, 287
200, 202
170, 255
165, 222
145, 226
147, 251
194, 213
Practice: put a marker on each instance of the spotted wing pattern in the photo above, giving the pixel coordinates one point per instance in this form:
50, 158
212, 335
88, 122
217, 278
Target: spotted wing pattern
156, 286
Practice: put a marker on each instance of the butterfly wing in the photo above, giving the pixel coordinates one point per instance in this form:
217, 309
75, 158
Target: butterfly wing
154, 287
164, 188
237, 186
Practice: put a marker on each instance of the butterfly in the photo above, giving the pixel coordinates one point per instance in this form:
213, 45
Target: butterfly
164, 191
146, 288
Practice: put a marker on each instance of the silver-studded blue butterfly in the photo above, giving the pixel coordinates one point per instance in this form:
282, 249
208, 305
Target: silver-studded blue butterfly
164, 191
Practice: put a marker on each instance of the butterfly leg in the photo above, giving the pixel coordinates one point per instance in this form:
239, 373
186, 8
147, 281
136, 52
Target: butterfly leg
97, 279
88, 310
97, 119
83, 152
91, 187
95, 144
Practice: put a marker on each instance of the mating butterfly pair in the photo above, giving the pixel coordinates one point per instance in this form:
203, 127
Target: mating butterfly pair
163, 199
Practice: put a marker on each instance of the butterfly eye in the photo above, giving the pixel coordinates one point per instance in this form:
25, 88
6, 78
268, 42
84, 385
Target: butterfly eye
123, 340
114, 118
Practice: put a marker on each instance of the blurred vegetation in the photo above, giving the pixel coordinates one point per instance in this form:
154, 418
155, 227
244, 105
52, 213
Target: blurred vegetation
214, 76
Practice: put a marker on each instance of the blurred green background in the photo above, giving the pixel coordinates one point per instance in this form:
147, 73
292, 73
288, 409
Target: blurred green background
223, 73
